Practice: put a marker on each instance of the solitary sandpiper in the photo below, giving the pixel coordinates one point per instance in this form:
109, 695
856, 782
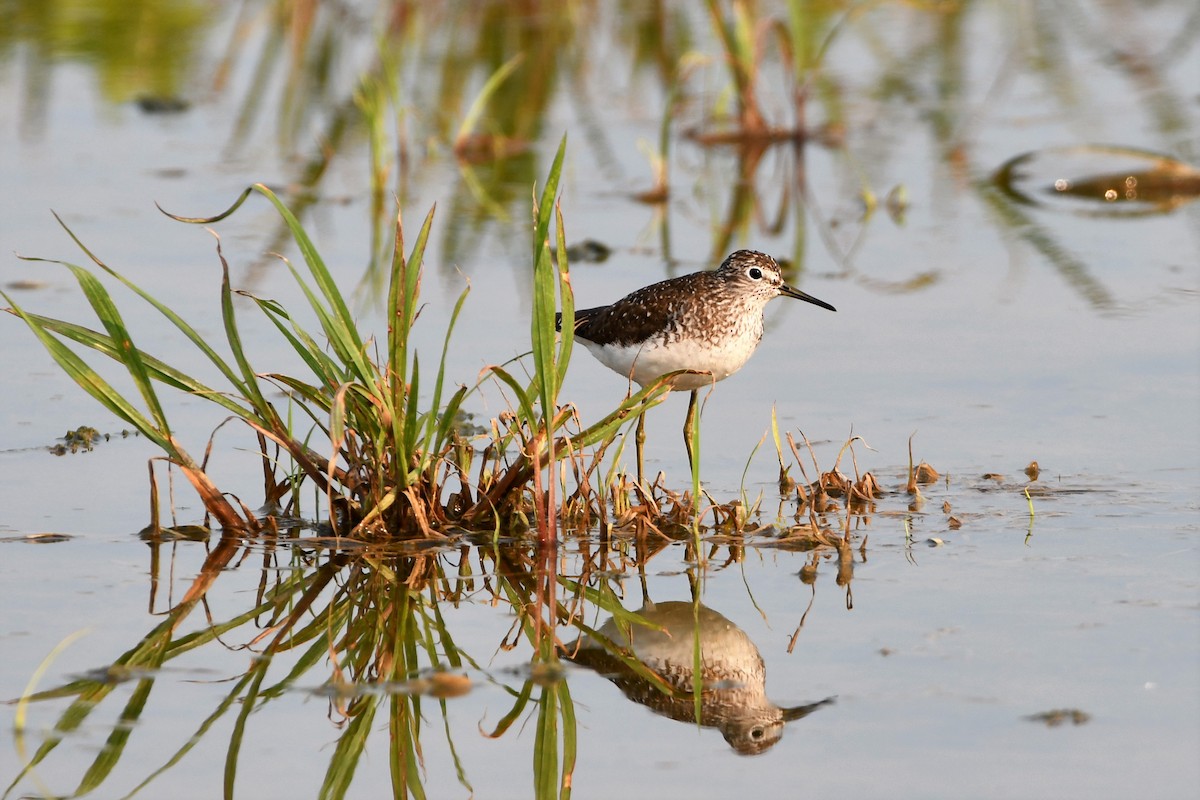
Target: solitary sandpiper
708, 322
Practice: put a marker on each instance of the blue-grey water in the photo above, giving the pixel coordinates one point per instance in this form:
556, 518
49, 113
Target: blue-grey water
1000, 333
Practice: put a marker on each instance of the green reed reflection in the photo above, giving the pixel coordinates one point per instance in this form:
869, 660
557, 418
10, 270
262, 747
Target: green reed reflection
371, 629
756, 90
139, 48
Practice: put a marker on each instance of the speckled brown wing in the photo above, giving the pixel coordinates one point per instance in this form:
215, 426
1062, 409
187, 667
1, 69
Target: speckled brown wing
637, 317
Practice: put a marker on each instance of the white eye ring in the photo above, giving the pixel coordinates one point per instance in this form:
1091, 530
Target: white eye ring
755, 273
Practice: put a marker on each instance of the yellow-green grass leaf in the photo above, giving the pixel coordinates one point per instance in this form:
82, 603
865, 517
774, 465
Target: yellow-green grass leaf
91, 382
494, 81
159, 370
187, 330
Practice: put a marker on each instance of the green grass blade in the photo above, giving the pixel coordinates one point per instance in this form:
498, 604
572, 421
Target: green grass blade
91, 382
349, 750
545, 280
605, 429
354, 363
239, 728
341, 321
524, 402
448, 416
114, 746
315, 396
187, 330
435, 403
403, 295
545, 746
128, 354
249, 382
317, 361
566, 298
479, 104
408, 443
570, 738
210, 220
158, 370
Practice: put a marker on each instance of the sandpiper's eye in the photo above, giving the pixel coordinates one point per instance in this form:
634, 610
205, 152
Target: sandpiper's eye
755, 273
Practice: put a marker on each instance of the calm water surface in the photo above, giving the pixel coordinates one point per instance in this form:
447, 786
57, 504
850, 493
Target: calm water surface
999, 332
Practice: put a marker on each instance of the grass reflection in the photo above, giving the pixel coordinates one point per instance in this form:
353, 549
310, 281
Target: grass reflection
372, 629
399, 88
371, 623
139, 48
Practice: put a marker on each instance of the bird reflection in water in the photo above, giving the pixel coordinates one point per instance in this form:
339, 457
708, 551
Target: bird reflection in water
733, 698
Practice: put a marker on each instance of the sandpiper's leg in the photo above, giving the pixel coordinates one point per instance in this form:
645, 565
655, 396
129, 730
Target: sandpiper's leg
687, 428
639, 440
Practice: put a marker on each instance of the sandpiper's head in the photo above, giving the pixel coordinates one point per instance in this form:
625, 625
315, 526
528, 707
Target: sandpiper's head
758, 274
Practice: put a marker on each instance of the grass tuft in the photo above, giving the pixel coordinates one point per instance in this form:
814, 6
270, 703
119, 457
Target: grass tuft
355, 428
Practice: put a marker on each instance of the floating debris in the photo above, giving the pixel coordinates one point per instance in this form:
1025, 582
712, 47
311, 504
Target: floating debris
926, 473
485, 148
84, 438
1099, 180
653, 197
447, 684
189, 533
1056, 717
25, 285
896, 203
866, 488
162, 104
38, 538
588, 251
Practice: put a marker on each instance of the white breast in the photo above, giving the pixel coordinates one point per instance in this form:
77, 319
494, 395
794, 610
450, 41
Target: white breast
646, 362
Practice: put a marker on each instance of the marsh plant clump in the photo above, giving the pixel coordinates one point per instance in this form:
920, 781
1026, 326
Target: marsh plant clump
354, 426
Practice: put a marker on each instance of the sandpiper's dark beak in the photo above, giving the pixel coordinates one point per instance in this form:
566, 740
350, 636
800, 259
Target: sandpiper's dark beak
788, 291
800, 712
